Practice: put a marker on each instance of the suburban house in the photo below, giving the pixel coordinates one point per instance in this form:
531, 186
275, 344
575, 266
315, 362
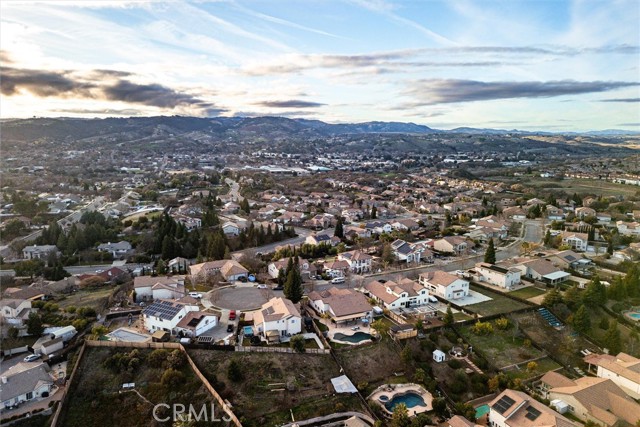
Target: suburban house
352, 214
406, 252
116, 249
603, 218
352, 232
570, 259
378, 227
554, 213
39, 251
165, 315
513, 408
178, 264
495, 275
15, 312
406, 224
230, 270
628, 228
320, 238
543, 270
598, 400
394, 295
359, 262
445, 285
451, 244
231, 228
337, 268
582, 212
489, 227
196, 323
623, 369
306, 268
515, 213
577, 241
23, 382
190, 223
342, 305
161, 287
277, 318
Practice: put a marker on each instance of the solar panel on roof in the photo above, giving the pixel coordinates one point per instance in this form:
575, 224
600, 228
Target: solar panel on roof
503, 404
570, 258
532, 413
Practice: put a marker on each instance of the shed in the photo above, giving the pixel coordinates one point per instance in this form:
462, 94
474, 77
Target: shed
439, 356
160, 336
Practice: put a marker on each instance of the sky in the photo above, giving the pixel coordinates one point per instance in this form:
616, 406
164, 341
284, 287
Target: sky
544, 64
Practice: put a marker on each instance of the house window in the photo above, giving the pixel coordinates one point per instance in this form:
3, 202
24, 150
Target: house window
30, 395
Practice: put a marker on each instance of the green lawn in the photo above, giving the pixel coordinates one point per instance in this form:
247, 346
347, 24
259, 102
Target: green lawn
543, 366
460, 316
499, 304
527, 293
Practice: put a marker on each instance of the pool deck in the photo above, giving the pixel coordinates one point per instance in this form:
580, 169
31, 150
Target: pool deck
346, 330
391, 390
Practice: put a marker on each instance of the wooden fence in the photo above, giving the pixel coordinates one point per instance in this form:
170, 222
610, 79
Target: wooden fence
262, 349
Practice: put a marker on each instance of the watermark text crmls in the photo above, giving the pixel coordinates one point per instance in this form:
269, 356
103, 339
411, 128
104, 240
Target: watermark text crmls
180, 412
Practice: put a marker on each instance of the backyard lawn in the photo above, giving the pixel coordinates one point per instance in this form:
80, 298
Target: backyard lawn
529, 292
499, 304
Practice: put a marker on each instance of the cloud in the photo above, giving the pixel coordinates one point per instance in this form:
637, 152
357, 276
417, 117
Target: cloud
629, 124
292, 103
621, 100
5, 58
98, 84
443, 91
558, 50
42, 83
106, 111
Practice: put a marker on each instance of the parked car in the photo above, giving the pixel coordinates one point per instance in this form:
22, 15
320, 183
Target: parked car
31, 358
232, 315
337, 280
262, 286
230, 327
355, 328
196, 295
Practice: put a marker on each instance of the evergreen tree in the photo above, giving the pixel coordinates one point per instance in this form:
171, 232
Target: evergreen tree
581, 320
34, 325
374, 212
612, 338
595, 294
548, 238
448, 317
161, 267
572, 297
293, 285
490, 254
552, 298
282, 277
591, 236
339, 230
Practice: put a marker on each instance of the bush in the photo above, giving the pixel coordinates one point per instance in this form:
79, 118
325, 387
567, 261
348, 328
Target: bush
454, 364
157, 357
172, 378
234, 372
482, 328
502, 323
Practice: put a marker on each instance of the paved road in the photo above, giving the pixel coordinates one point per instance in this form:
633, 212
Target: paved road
533, 231
271, 247
234, 189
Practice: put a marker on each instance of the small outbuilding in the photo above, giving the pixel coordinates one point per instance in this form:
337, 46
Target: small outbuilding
439, 356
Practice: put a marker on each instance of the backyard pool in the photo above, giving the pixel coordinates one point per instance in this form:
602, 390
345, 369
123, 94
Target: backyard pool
355, 338
482, 410
633, 314
410, 399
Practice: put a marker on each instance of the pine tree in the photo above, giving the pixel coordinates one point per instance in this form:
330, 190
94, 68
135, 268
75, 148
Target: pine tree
339, 230
547, 238
612, 338
490, 254
552, 298
374, 212
293, 285
448, 317
581, 321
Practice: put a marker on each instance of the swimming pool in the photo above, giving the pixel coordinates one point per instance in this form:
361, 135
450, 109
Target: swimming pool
410, 399
482, 410
634, 315
355, 338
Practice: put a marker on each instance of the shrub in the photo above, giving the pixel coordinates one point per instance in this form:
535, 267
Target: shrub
454, 364
502, 323
482, 328
172, 378
234, 372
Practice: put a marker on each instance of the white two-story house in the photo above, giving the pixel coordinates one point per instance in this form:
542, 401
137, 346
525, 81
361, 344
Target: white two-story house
394, 295
359, 262
495, 275
444, 285
165, 315
277, 318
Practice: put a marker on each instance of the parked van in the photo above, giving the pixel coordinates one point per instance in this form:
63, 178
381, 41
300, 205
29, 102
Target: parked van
337, 280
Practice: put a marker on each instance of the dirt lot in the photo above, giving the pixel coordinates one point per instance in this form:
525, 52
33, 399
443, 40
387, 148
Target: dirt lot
498, 304
274, 383
95, 397
373, 363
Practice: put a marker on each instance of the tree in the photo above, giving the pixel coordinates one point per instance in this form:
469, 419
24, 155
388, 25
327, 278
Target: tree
387, 254
234, 372
440, 406
532, 366
381, 327
34, 325
293, 285
172, 378
490, 254
161, 267
612, 338
297, 343
552, 298
595, 294
581, 320
448, 317
400, 417
374, 212
339, 230
572, 297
